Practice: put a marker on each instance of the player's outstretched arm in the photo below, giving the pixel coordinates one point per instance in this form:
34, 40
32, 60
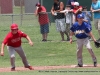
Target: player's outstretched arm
29, 40
2, 49
52, 10
71, 34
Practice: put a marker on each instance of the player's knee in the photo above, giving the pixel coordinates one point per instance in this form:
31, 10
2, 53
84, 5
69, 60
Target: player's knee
12, 56
89, 48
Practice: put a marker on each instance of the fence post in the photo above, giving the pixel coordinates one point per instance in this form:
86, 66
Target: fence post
12, 18
21, 12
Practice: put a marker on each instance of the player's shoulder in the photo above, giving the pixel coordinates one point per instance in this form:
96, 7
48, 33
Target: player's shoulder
86, 24
20, 32
9, 33
75, 24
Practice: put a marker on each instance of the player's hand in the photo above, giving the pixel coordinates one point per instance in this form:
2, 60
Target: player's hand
31, 43
2, 53
94, 40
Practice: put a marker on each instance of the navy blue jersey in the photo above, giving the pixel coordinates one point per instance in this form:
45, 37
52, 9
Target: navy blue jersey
81, 31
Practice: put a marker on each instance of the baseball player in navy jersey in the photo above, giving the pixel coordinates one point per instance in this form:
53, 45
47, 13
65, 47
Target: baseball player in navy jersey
82, 30
13, 42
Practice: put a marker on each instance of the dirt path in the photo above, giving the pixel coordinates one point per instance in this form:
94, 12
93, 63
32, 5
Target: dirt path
39, 68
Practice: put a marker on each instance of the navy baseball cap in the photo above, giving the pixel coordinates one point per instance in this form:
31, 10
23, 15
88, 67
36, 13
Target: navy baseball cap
80, 16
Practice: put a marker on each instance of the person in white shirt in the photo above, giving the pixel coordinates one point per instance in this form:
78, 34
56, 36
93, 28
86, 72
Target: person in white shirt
68, 14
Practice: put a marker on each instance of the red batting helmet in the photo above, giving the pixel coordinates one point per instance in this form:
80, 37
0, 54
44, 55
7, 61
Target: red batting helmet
14, 26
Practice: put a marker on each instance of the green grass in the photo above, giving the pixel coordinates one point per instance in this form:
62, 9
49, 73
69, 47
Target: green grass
53, 52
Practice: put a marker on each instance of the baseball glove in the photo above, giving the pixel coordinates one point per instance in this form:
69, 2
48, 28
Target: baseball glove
97, 44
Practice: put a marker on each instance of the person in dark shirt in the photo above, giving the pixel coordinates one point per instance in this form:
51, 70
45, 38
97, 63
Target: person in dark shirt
59, 17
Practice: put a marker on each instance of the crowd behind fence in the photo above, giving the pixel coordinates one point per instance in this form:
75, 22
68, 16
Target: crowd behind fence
21, 19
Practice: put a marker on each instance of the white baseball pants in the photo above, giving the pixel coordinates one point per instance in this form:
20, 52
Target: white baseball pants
85, 42
21, 53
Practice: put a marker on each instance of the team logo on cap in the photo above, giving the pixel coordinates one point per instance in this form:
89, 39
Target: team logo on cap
80, 15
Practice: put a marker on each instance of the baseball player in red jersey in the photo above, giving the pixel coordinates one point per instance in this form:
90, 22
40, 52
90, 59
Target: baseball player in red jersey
13, 42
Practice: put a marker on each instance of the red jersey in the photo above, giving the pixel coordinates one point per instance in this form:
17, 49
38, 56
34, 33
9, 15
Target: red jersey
75, 9
43, 18
14, 40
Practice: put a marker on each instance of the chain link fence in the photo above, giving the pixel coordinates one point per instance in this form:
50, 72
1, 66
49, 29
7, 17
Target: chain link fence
22, 19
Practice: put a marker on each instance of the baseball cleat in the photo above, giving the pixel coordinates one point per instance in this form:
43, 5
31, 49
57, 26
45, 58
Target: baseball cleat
95, 64
13, 69
29, 67
79, 65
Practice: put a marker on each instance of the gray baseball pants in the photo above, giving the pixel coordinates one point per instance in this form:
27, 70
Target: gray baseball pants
21, 53
85, 42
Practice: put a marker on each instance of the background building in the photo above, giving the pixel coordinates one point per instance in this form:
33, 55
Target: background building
6, 6
18, 2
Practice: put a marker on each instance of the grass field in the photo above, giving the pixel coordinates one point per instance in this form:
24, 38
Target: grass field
50, 53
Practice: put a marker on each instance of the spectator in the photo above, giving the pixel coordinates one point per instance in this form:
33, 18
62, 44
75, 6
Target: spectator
68, 14
87, 17
95, 8
59, 17
76, 10
81, 30
43, 20
71, 2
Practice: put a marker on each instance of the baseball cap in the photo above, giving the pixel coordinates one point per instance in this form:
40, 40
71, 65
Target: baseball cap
14, 26
38, 4
76, 3
80, 16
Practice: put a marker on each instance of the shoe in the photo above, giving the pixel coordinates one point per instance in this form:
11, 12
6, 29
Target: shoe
13, 69
79, 65
68, 39
29, 67
95, 64
44, 40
